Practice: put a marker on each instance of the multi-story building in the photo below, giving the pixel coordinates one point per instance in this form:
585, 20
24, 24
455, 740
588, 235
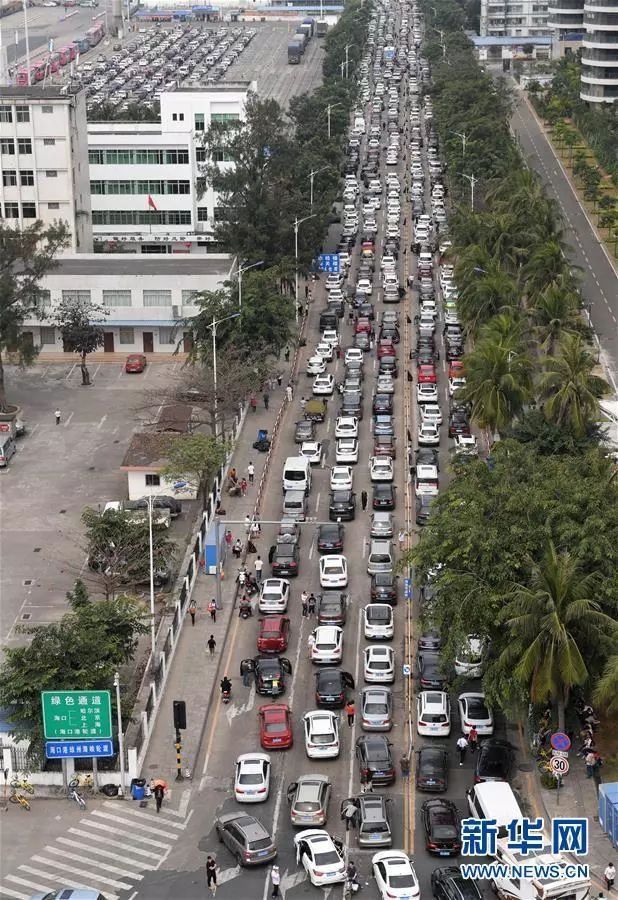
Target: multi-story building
599, 81
566, 18
514, 18
44, 161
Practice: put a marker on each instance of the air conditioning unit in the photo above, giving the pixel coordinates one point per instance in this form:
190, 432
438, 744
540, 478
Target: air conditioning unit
175, 311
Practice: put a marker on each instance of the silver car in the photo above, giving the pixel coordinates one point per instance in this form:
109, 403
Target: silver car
308, 798
376, 709
381, 525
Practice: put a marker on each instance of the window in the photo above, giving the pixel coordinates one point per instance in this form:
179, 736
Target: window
178, 217
9, 178
117, 298
28, 210
202, 214
153, 480
97, 187
53, 206
76, 296
126, 335
178, 117
47, 110
95, 157
48, 335
224, 117
7, 145
157, 298
199, 121
6, 114
200, 154
51, 173
177, 157
45, 298
22, 113
24, 145
118, 187
49, 142
26, 177
166, 335
11, 210
152, 157
188, 298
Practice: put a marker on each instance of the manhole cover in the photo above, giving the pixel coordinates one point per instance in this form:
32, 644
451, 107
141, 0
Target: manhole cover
37, 549
26, 616
91, 468
116, 441
525, 767
62, 512
27, 582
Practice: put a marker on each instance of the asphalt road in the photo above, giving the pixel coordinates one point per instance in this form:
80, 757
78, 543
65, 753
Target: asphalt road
46, 23
599, 279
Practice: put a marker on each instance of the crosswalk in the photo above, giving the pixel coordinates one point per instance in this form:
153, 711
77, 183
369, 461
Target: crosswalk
109, 850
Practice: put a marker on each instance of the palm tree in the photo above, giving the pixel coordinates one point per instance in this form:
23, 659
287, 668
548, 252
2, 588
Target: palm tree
545, 263
556, 313
606, 690
485, 295
547, 620
507, 329
569, 388
498, 384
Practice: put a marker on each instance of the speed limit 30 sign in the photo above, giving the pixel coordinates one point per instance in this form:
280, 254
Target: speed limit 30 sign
559, 765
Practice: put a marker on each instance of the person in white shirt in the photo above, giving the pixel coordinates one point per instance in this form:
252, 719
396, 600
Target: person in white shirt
259, 565
275, 878
610, 875
462, 746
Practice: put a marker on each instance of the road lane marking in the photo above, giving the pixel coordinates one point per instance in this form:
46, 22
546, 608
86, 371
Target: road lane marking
159, 832
112, 854
112, 843
65, 854
121, 831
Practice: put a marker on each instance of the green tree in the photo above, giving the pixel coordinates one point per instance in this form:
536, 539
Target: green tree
25, 258
196, 458
80, 322
555, 313
498, 384
486, 295
546, 263
546, 619
605, 693
568, 387
570, 139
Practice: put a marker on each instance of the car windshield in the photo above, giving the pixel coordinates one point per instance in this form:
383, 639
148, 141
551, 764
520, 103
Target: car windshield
251, 779
401, 881
334, 568
434, 717
376, 709
327, 738
379, 615
328, 858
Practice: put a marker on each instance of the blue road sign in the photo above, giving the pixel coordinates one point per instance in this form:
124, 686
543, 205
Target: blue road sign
329, 262
560, 741
81, 749
407, 588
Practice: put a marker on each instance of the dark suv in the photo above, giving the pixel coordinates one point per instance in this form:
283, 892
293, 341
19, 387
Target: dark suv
331, 608
375, 760
447, 883
331, 688
269, 673
342, 506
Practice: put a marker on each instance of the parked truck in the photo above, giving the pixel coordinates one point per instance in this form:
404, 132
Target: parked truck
303, 40
321, 28
295, 53
311, 23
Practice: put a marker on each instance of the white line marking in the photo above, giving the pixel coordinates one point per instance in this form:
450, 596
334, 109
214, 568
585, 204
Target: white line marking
121, 885
112, 843
102, 422
75, 884
112, 854
11, 893
317, 502
131, 824
126, 834
152, 817
27, 883
68, 421
58, 851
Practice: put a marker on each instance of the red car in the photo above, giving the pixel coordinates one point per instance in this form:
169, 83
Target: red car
427, 374
456, 369
275, 726
362, 325
386, 348
273, 634
136, 362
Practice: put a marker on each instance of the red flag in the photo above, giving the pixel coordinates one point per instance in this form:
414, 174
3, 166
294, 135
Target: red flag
151, 203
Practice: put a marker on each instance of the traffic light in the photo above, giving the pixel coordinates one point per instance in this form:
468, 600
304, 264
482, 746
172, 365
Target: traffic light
180, 714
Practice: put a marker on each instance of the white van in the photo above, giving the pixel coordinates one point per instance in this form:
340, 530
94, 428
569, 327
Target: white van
297, 474
295, 506
494, 800
551, 887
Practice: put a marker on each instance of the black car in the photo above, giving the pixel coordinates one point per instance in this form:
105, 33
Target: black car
447, 884
430, 640
494, 761
269, 673
342, 505
285, 560
384, 588
383, 495
352, 404
427, 456
158, 502
361, 340
382, 403
331, 687
423, 509
425, 356
305, 431
458, 423
431, 770
388, 364
389, 332
330, 538
442, 827
331, 608
430, 671
366, 310
454, 351
375, 760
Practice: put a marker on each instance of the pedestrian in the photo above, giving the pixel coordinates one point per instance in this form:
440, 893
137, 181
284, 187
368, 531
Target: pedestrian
311, 602
289, 393
233, 475
245, 673
237, 548
253, 403
57, 414
462, 746
349, 814
350, 711
192, 611
590, 760
256, 528
251, 472
259, 565
473, 739
306, 292
286, 354
304, 600
610, 875
212, 609
402, 539
404, 765
212, 644
279, 379
271, 554
243, 486
338, 352
275, 879
367, 782
228, 537
364, 500
211, 874
303, 403
310, 643
158, 792
266, 399
596, 769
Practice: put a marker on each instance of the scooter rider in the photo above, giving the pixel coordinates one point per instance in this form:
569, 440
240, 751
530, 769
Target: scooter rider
226, 685
244, 607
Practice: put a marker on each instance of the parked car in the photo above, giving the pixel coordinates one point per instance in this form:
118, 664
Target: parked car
375, 759
246, 838
431, 769
309, 798
442, 826
494, 761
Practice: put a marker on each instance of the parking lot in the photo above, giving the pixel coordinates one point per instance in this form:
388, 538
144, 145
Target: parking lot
60, 469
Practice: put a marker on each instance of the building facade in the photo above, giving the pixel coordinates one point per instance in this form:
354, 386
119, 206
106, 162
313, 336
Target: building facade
44, 161
514, 18
599, 81
566, 18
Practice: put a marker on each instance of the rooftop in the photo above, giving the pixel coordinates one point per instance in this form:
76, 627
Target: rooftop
148, 451
34, 92
144, 264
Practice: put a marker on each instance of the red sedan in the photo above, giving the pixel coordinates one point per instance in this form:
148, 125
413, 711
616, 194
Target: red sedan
386, 348
427, 374
456, 369
273, 634
275, 726
136, 362
363, 325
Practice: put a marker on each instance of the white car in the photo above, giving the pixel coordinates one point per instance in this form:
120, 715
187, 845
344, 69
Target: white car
426, 481
252, 780
465, 444
323, 384
473, 710
428, 434
321, 734
333, 571
312, 450
327, 646
346, 427
470, 660
378, 622
433, 714
333, 280
379, 665
274, 595
320, 856
330, 336
426, 393
354, 354
316, 365
385, 384
347, 450
364, 286
454, 384
381, 468
341, 478
395, 875
326, 351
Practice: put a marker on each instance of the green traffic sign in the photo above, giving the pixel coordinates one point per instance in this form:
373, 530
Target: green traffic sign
76, 714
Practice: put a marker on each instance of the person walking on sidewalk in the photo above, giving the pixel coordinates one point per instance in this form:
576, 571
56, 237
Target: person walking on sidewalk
310, 644
286, 354
57, 415
266, 399
473, 739
212, 644
243, 486
364, 500
212, 609
211, 875
462, 746
289, 393
251, 472
259, 565
311, 604
590, 760
253, 403
350, 711
158, 792
610, 876
192, 611
404, 765
304, 603
275, 880
303, 403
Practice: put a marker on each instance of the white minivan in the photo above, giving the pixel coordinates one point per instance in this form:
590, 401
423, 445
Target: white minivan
297, 474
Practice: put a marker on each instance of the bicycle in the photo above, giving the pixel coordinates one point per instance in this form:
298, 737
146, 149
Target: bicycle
21, 799
74, 795
21, 784
83, 781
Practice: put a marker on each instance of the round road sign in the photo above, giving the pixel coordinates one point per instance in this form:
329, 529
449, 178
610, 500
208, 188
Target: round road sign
560, 741
559, 765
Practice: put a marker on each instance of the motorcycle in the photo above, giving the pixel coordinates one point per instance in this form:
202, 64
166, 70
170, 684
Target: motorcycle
351, 886
225, 696
245, 611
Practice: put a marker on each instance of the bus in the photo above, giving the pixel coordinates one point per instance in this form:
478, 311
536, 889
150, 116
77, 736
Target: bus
67, 55
95, 35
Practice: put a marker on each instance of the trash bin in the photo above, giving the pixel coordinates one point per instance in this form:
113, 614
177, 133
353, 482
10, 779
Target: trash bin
138, 788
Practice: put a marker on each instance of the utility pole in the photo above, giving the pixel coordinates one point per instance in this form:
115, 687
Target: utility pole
121, 790
473, 180
297, 223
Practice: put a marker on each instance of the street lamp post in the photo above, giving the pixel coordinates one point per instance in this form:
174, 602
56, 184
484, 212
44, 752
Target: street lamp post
330, 107
297, 223
239, 274
342, 68
27, 39
347, 59
213, 327
153, 633
120, 735
464, 137
473, 180
312, 175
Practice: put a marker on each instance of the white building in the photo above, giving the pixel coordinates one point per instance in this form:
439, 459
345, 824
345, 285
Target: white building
514, 18
566, 17
143, 175
44, 161
599, 81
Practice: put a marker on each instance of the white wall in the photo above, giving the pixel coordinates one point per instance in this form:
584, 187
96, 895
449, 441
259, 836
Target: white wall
137, 488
